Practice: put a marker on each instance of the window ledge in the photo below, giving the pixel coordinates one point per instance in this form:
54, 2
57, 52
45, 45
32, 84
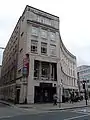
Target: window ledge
44, 54
53, 40
34, 35
34, 52
53, 55
44, 38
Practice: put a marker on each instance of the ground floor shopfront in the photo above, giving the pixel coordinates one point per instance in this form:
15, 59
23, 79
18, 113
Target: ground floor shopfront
41, 93
44, 93
67, 94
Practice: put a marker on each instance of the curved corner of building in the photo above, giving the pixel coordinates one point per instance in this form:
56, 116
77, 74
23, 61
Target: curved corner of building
66, 50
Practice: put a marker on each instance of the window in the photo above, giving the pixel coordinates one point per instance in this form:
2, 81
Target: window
53, 50
73, 73
53, 71
52, 36
44, 48
21, 50
22, 34
44, 69
19, 71
35, 31
43, 33
87, 81
74, 82
34, 46
36, 69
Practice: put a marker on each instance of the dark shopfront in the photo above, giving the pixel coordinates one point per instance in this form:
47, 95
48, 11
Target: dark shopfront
44, 93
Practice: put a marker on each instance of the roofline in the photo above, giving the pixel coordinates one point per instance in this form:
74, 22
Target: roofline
73, 56
40, 10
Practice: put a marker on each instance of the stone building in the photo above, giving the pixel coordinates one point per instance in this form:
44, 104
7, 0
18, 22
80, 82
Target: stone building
36, 64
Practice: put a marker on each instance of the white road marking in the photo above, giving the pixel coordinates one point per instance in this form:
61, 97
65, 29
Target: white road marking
7, 116
72, 118
82, 112
3, 117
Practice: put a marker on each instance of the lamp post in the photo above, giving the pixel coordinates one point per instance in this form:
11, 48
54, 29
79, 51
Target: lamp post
78, 81
60, 94
85, 91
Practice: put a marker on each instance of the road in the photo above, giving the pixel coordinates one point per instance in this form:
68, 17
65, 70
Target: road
14, 113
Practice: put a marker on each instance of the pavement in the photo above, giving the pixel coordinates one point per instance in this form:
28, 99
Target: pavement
10, 113
50, 106
17, 113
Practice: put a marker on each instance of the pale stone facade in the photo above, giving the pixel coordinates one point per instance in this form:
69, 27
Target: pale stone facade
52, 68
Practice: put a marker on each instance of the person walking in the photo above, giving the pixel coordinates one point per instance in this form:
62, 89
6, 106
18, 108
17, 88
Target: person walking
55, 99
72, 97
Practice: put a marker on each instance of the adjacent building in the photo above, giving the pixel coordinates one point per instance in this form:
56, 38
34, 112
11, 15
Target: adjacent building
0, 70
36, 64
84, 75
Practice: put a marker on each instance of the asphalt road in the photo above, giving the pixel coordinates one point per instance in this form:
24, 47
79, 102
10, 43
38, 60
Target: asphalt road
65, 115
14, 113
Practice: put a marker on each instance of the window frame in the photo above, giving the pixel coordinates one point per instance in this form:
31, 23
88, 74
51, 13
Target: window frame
54, 36
34, 43
43, 46
52, 50
34, 31
44, 35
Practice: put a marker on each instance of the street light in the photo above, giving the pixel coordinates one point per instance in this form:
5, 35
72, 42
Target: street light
60, 94
85, 91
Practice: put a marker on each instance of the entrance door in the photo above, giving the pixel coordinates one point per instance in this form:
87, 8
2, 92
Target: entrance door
37, 94
17, 95
44, 94
48, 93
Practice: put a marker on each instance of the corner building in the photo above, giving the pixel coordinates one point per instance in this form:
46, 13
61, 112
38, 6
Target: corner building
42, 65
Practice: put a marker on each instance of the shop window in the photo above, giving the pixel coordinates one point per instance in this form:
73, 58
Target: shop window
44, 69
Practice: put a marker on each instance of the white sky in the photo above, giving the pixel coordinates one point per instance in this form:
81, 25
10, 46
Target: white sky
74, 22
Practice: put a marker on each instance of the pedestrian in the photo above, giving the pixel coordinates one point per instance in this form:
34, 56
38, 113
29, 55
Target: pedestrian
55, 99
71, 98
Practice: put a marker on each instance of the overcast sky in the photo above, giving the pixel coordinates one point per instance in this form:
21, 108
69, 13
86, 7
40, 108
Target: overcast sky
74, 22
